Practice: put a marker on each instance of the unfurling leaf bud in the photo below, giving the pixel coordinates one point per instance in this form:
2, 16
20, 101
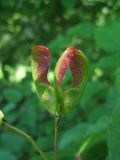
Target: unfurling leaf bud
1, 117
55, 99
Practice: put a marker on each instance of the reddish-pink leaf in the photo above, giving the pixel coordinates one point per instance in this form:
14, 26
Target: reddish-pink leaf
77, 61
62, 66
40, 63
76, 67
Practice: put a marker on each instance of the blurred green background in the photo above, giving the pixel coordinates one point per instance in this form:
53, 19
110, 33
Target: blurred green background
90, 25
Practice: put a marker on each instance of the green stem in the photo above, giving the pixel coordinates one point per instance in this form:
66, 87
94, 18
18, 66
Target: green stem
56, 138
13, 130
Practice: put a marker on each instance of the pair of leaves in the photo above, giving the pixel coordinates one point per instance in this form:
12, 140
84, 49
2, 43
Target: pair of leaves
56, 100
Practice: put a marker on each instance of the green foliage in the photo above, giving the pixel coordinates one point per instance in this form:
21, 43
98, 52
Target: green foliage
89, 25
12, 95
114, 129
114, 135
6, 155
108, 36
117, 73
86, 135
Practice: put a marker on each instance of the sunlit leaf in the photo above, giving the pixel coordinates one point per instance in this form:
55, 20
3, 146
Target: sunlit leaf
40, 63
78, 64
108, 36
46, 96
79, 69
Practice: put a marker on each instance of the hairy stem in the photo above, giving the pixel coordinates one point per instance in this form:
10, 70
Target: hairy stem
13, 130
56, 138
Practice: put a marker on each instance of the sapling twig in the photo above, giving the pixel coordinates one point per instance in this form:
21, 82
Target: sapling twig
13, 130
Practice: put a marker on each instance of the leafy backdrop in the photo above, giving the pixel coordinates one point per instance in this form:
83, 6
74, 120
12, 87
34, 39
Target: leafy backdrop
92, 129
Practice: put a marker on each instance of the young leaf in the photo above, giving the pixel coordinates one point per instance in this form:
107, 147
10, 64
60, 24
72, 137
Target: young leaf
78, 65
79, 68
46, 96
40, 63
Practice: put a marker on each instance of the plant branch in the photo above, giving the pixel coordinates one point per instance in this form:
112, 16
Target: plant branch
13, 130
56, 138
